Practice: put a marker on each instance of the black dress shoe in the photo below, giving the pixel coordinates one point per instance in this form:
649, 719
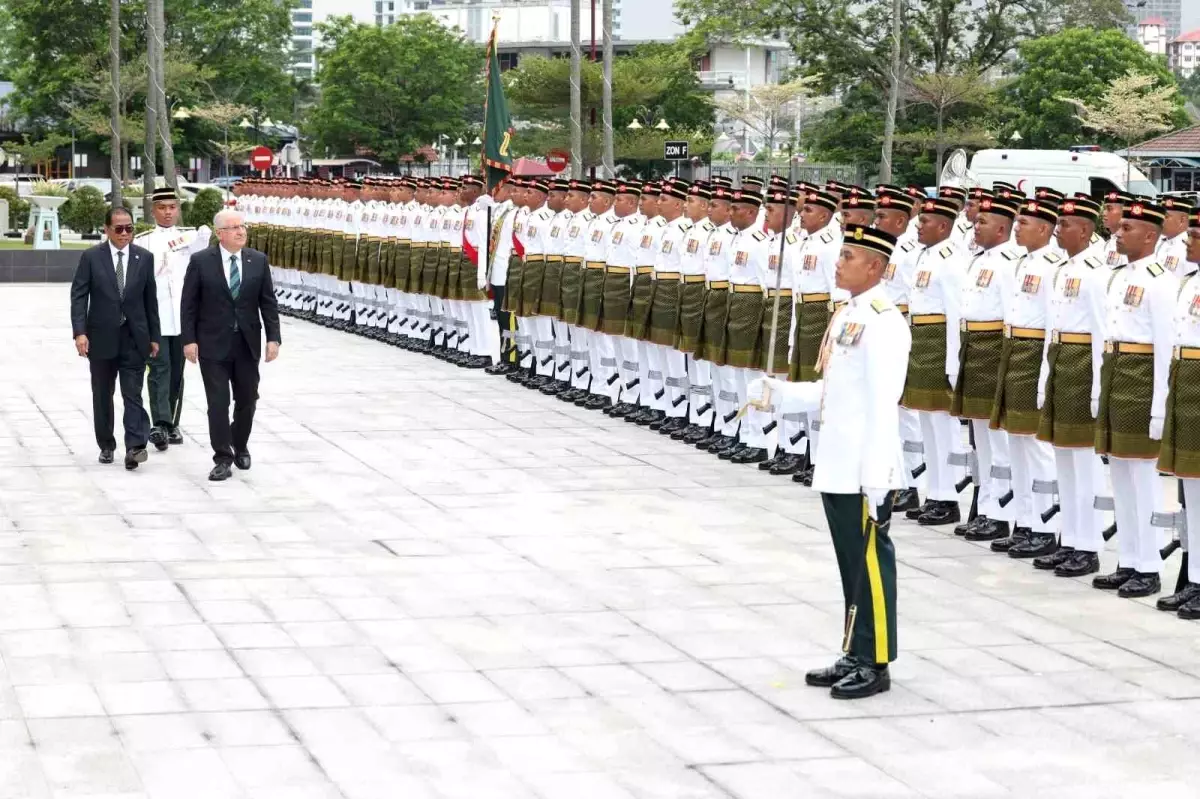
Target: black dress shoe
477, 362
220, 472
1035, 545
708, 441
1139, 585
1078, 564
623, 409
789, 463
650, 417
864, 681
943, 512
966, 527
1177, 600
750, 455
637, 415
1191, 610
174, 437
501, 368
915, 513
830, 675
1048, 562
106, 456
158, 437
134, 457
769, 463
242, 461
990, 530
673, 425
728, 452
1111, 582
906, 500
804, 476
598, 402
697, 435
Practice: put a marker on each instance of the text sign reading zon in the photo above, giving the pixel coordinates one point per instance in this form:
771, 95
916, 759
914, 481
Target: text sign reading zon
675, 151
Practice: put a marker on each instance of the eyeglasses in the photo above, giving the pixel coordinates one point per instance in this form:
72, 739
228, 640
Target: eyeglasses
232, 227
122, 228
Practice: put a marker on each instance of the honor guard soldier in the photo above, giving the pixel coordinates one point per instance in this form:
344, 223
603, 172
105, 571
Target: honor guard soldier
1172, 247
1180, 452
579, 195
1114, 209
522, 197
623, 246
636, 391
602, 357
668, 366
779, 284
172, 246
698, 373
933, 312
860, 464
1133, 395
1069, 391
483, 338
711, 348
533, 269
556, 359
495, 273
893, 209
982, 293
1015, 408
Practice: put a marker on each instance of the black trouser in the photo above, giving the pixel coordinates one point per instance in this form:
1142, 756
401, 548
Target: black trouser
130, 365
166, 383
503, 321
239, 370
867, 562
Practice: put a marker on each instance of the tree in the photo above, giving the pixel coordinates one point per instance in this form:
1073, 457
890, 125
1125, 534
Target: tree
1094, 14
390, 90
1189, 89
36, 153
1077, 63
769, 109
1133, 107
943, 92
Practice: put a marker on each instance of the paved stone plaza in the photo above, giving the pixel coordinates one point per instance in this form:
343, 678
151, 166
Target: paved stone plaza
434, 583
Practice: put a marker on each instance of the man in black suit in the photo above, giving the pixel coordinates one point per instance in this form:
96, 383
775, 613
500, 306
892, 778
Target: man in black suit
114, 318
226, 290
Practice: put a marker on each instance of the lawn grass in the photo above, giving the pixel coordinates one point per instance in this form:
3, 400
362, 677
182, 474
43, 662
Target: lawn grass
17, 244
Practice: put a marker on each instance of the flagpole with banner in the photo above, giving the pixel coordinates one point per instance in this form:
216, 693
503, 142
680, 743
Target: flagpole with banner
497, 124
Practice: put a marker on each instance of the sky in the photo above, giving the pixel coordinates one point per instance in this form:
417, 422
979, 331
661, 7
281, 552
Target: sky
1191, 15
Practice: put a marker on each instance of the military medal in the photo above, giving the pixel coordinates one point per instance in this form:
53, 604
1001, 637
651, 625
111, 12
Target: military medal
985, 278
646, 241
810, 263
597, 234
850, 334
1133, 296
667, 246
1031, 284
1194, 308
923, 279
1071, 287
692, 246
890, 272
714, 248
741, 258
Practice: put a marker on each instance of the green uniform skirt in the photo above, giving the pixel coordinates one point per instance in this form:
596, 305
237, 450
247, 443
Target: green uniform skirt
978, 368
742, 329
811, 323
637, 325
691, 316
345, 270
572, 291
1066, 416
780, 365
372, 271
615, 309
468, 282
926, 387
1126, 386
550, 293
512, 292
441, 277
531, 285
324, 247
416, 266
593, 298
1015, 406
1179, 453
664, 313
711, 346
401, 258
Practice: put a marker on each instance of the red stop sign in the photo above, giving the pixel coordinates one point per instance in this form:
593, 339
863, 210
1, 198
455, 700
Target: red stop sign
557, 160
261, 157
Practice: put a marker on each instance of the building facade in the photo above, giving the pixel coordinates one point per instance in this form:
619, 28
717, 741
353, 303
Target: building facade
1183, 53
1152, 35
1169, 12
307, 14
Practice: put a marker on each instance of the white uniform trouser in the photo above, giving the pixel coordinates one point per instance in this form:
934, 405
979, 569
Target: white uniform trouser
1191, 538
421, 326
754, 421
725, 381
543, 344
914, 450
701, 394
649, 384
605, 358
1080, 481
1032, 482
525, 333
940, 436
629, 356
677, 383
991, 447
344, 301
438, 320
580, 348
1137, 496
561, 365
459, 325
485, 335
656, 394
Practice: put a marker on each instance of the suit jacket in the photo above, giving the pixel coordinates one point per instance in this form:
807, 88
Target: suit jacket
211, 317
97, 307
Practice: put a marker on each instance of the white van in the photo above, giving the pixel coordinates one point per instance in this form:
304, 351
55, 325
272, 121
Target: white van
1069, 171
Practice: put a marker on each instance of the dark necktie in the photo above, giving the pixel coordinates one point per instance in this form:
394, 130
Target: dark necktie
121, 273
235, 279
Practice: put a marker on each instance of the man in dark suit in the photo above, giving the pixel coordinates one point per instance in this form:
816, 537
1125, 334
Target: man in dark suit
114, 318
226, 289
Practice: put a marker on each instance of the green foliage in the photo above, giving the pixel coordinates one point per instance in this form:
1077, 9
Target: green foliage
392, 89
202, 210
1078, 63
142, 227
18, 208
84, 211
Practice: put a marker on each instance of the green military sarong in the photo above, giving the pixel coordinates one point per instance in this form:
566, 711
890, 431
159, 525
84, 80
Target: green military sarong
572, 290
550, 293
512, 292
691, 313
1179, 453
1123, 426
454, 262
812, 321
637, 324
531, 285
468, 282
1014, 408
743, 325
441, 272
978, 367
1066, 417
782, 329
926, 387
592, 301
664, 312
401, 258
711, 346
325, 252
615, 309
349, 249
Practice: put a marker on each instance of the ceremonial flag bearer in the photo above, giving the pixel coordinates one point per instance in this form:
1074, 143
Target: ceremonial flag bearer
860, 462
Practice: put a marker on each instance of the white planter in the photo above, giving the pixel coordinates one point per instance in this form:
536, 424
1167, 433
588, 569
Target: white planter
49, 203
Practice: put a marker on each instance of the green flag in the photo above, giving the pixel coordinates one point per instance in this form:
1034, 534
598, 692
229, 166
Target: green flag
497, 124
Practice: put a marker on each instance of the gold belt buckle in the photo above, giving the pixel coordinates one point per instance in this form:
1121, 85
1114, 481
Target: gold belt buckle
1176, 352
962, 325
1008, 331
1108, 347
1053, 336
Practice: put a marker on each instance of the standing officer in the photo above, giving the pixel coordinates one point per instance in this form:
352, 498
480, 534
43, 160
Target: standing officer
602, 358
711, 347
697, 374
623, 245
1172, 247
667, 368
1133, 395
1114, 208
495, 272
171, 247
860, 464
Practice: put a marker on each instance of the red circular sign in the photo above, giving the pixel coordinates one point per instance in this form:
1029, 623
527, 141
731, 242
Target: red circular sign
261, 157
557, 160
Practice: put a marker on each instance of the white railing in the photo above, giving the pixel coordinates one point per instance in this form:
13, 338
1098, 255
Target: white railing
723, 79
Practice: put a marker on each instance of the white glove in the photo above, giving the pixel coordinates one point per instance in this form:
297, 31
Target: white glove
1041, 399
758, 389
1156, 427
875, 498
953, 378
1095, 407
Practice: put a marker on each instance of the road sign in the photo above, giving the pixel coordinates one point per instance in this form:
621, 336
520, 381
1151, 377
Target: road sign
557, 160
675, 151
261, 158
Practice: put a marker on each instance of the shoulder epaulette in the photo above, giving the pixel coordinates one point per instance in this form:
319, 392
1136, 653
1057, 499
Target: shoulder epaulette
946, 251
758, 235
880, 305
188, 228
1053, 257
826, 237
1094, 263
1155, 270
659, 222
791, 238
707, 226
907, 246
1009, 255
